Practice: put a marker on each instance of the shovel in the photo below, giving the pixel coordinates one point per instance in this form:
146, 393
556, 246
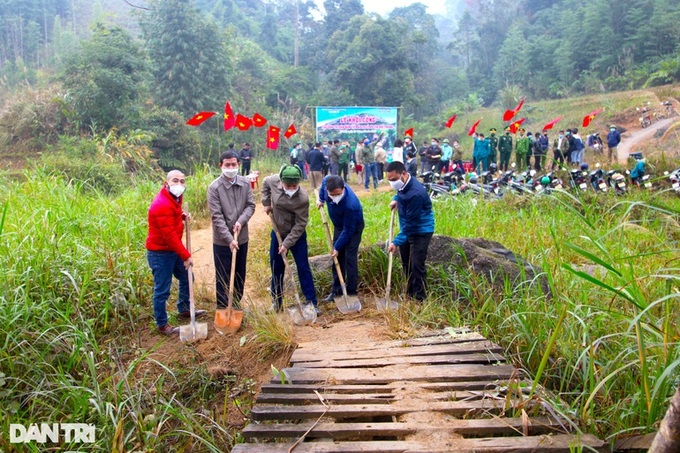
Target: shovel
228, 320
346, 304
194, 331
386, 303
302, 314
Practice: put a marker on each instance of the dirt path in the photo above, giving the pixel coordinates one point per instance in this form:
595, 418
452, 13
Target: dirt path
629, 141
331, 326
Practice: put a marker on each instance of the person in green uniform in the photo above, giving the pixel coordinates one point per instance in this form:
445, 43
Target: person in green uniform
493, 144
522, 147
505, 148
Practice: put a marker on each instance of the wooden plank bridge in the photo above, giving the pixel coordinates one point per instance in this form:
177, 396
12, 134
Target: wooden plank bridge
451, 391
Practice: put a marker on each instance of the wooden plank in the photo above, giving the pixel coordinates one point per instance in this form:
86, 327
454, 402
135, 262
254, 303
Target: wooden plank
481, 359
430, 373
457, 408
642, 442
324, 388
371, 398
307, 398
367, 345
353, 354
558, 443
476, 428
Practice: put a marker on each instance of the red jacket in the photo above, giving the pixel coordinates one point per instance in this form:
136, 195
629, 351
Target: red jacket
165, 225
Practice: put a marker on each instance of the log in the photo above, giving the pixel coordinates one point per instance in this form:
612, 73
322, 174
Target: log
667, 440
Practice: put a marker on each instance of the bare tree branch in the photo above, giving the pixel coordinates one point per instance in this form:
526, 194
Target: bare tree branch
139, 7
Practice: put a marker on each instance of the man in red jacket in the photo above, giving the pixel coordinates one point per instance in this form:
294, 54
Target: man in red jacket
166, 254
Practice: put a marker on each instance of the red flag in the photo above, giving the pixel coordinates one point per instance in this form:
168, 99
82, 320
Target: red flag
474, 127
290, 131
259, 120
450, 121
229, 118
589, 117
199, 118
551, 124
507, 116
243, 123
273, 137
408, 133
514, 127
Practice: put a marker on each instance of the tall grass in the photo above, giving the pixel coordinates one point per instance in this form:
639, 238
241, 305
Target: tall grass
608, 342
74, 286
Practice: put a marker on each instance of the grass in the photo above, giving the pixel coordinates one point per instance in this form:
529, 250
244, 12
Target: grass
607, 343
74, 283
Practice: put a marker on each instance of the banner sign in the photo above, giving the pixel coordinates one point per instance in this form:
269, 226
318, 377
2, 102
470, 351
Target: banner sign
355, 123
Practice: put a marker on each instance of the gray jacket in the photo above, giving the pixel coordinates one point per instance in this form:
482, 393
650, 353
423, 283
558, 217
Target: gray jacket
290, 213
228, 204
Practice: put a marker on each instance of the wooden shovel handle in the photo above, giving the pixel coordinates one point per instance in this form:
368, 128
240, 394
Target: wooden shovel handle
389, 259
232, 273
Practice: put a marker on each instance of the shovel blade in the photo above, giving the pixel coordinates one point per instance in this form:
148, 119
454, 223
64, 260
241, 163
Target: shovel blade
193, 332
302, 315
386, 304
347, 304
228, 320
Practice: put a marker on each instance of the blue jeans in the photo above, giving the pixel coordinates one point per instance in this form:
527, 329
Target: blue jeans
371, 169
299, 251
163, 266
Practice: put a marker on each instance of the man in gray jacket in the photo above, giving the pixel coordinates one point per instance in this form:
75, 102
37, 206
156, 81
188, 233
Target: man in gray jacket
231, 204
289, 204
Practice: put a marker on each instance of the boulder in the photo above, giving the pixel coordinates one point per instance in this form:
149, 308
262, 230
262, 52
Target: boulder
486, 258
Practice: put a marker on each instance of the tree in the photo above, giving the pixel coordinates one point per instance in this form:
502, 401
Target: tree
370, 62
190, 58
512, 64
106, 77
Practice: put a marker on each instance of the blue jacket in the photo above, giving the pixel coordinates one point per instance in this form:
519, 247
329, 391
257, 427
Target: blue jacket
347, 216
638, 171
613, 139
415, 211
315, 160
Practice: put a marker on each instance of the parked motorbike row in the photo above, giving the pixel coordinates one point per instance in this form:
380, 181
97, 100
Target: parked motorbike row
495, 184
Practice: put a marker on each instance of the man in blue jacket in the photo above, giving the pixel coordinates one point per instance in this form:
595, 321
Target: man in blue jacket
416, 221
613, 140
347, 217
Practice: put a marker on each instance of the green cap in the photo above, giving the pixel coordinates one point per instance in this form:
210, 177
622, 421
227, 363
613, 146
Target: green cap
290, 174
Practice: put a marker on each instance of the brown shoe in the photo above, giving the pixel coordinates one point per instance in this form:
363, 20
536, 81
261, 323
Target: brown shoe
187, 314
168, 330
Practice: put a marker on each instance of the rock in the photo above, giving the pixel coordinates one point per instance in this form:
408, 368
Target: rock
488, 258
481, 256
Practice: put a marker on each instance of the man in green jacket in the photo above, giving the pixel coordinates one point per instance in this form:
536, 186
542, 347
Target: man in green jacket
505, 148
493, 144
288, 202
522, 149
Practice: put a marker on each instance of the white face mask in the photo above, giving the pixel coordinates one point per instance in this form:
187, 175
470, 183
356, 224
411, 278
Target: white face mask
397, 185
336, 199
177, 190
290, 193
230, 172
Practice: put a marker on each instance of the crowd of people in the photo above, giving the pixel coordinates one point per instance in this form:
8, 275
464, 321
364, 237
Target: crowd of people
231, 204
328, 166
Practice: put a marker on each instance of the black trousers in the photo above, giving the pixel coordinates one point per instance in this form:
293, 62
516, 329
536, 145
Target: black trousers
348, 258
413, 256
222, 257
557, 156
245, 167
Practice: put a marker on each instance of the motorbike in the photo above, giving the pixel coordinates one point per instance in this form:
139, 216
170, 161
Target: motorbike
616, 181
578, 179
674, 176
646, 118
597, 180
